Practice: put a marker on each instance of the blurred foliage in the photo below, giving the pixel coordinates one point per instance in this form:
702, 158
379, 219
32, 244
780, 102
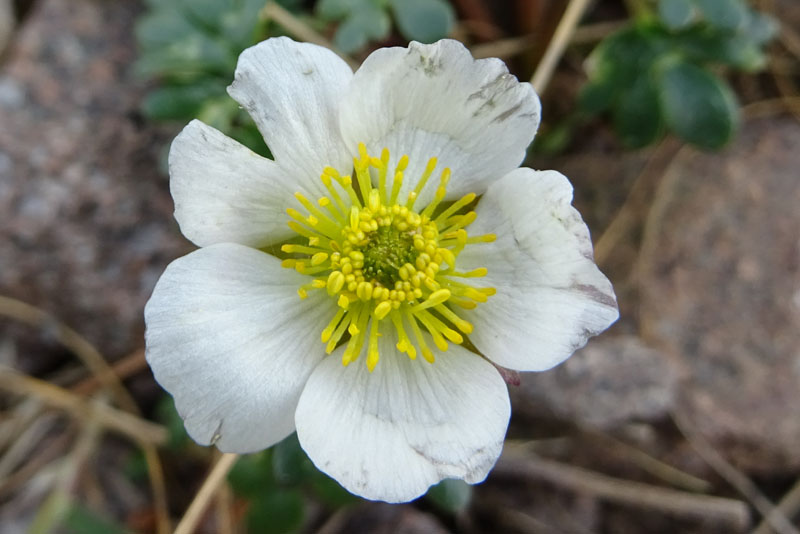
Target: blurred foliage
81, 520
278, 483
660, 73
190, 47
362, 21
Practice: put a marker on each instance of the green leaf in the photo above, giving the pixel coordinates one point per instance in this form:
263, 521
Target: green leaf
622, 57
697, 106
276, 512
195, 54
331, 492
760, 27
728, 14
252, 475
423, 20
169, 417
705, 45
338, 9
597, 96
161, 27
290, 463
637, 115
361, 26
179, 102
675, 14
81, 520
451, 495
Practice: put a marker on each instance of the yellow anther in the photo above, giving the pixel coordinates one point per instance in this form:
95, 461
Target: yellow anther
343, 302
382, 309
319, 258
335, 282
374, 200
289, 263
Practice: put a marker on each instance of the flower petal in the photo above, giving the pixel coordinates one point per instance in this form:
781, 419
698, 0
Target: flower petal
229, 338
436, 100
390, 434
292, 91
551, 297
224, 192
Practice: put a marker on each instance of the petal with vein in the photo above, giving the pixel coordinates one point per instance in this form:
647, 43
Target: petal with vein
436, 100
390, 434
229, 338
551, 297
293, 90
224, 192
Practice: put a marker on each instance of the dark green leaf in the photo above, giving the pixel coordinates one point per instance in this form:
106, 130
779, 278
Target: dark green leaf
169, 417
622, 57
637, 115
338, 9
161, 27
423, 20
705, 45
191, 56
597, 96
675, 14
759, 27
331, 492
276, 512
697, 106
179, 102
723, 13
361, 26
252, 475
81, 520
451, 495
290, 463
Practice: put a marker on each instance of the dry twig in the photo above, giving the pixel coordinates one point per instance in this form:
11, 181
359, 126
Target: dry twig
211, 484
555, 49
301, 30
140, 430
735, 478
728, 511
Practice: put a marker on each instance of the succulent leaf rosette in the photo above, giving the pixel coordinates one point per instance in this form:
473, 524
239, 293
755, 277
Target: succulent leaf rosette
362, 287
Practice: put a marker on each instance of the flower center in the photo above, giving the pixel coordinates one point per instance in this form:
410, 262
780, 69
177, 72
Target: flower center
387, 264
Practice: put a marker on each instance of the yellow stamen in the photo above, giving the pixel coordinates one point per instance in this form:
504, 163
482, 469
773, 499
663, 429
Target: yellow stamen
379, 258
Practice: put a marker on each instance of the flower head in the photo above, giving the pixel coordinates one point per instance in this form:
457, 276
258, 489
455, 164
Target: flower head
337, 285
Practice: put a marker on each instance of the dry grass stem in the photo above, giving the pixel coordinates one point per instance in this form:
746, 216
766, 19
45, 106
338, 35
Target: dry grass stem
514, 463
555, 49
104, 375
299, 29
503, 48
592, 33
212, 483
111, 418
733, 476
788, 507
648, 463
626, 217
88, 354
124, 368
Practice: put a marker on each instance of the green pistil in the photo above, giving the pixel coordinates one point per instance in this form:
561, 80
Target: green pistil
388, 249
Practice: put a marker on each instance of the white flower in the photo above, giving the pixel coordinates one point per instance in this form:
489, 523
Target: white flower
378, 271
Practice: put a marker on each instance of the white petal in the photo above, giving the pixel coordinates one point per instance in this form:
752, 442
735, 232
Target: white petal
551, 297
224, 192
436, 100
292, 91
228, 336
390, 434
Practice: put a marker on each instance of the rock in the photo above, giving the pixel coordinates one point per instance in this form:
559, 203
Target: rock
611, 381
720, 283
86, 218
